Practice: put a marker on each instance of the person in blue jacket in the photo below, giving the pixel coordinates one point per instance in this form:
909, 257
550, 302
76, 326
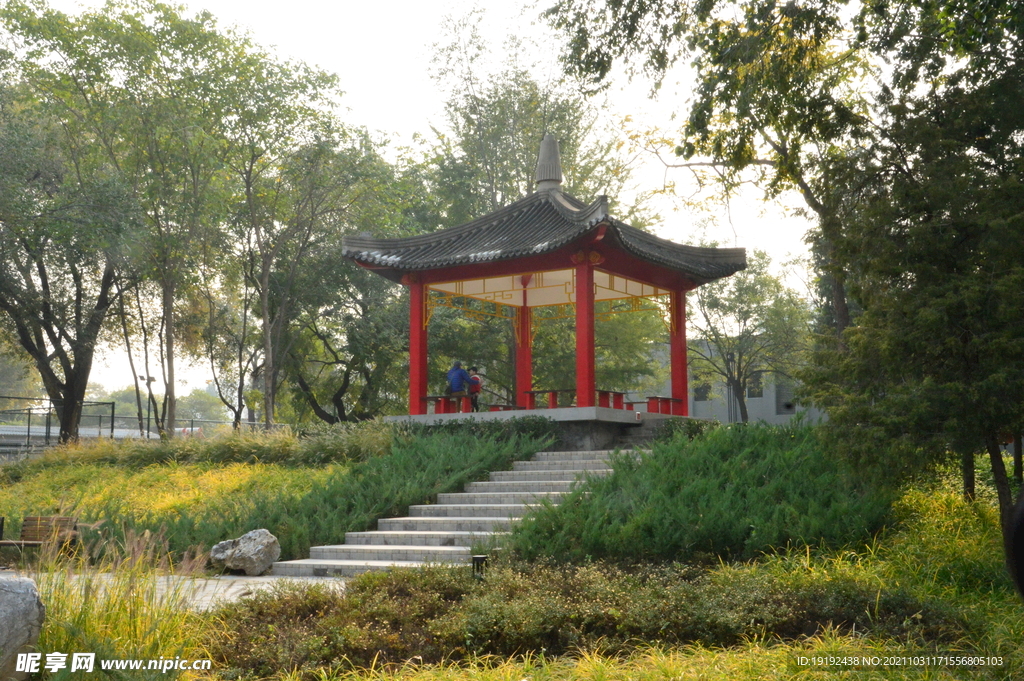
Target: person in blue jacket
458, 380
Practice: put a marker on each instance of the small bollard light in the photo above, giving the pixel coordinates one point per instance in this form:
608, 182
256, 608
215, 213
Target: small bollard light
479, 562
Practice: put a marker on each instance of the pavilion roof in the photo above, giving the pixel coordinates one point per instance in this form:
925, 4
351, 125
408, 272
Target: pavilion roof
537, 224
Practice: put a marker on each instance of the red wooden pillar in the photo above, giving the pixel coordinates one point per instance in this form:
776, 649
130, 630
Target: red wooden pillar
585, 381
524, 354
417, 347
677, 352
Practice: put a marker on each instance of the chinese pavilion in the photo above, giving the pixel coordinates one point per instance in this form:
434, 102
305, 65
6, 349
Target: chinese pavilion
546, 249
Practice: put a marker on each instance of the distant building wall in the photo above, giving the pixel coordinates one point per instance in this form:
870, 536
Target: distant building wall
772, 403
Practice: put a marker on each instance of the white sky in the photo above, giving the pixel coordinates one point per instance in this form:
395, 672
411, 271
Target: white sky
382, 50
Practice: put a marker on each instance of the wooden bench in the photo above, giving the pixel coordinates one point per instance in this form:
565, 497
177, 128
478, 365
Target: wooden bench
531, 397
39, 530
665, 405
611, 399
446, 404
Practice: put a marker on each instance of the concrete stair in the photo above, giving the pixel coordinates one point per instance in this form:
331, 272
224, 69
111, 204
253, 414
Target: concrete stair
447, 532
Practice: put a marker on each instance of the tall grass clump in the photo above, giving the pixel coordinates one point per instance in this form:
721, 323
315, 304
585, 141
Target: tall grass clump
956, 546
117, 608
733, 492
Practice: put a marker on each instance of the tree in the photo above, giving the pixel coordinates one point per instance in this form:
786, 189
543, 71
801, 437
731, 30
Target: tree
921, 170
746, 327
486, 155
174, 103
146, 85
939, 354
65, 226
777, 93
286, 163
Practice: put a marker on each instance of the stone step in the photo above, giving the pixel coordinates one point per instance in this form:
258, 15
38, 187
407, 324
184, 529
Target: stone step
421, 538
521, 486
577, 456
497, 497
545, 476
573, 465
443, 524
469, 510
308, 567
446, 532
422, 554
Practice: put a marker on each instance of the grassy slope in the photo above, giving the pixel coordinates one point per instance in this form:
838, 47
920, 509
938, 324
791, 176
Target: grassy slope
195, 494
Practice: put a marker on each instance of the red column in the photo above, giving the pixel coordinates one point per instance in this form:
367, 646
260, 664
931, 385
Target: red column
677, 345
417, 348
524, 354
585, 382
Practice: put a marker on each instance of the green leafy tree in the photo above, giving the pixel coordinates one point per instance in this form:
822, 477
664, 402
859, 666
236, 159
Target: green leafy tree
150, 88
937, 358
745, 328
288, 164
918, 174
186, 112
65, 226
778, 91
349, 329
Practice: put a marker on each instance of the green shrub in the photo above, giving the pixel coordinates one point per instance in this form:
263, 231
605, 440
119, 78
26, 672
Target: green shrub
440, 614
559, 609
381, 617
734, 492
671, 428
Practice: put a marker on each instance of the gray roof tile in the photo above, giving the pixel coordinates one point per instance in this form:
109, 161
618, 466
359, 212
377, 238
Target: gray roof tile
539, 223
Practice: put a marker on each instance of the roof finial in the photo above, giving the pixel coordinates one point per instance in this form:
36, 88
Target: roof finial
549, 167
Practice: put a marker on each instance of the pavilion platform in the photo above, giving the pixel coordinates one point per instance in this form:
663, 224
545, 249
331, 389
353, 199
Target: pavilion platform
579, 428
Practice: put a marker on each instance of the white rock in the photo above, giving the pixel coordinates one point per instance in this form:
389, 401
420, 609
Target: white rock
21, 620
253, 552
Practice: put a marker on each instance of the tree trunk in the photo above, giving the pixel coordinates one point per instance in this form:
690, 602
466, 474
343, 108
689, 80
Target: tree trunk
840, 307
71, 414
1018, 461
1002, 483
320, 412
169, 395
131, 359
741, 402
268, 350
967, 470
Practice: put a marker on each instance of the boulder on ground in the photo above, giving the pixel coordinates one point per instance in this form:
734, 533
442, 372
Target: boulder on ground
253, 552
21, 620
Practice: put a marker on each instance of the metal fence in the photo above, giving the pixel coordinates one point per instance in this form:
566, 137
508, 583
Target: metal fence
33, 423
